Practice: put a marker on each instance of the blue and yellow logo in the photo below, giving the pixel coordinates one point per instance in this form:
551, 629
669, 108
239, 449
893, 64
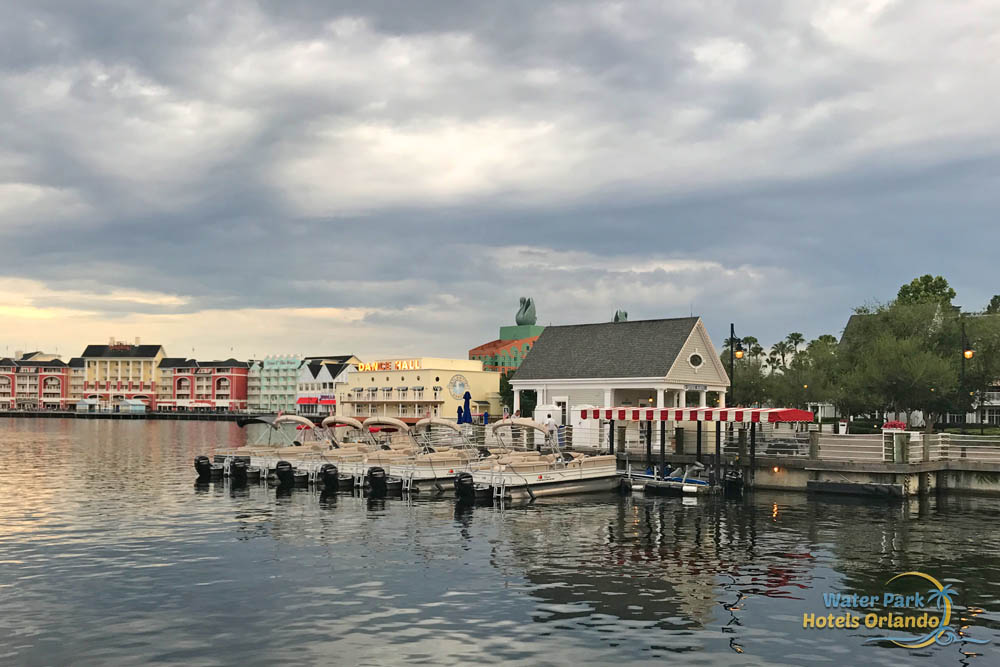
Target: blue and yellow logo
900, 612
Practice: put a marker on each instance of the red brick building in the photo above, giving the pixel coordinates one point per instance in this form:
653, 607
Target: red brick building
202, 386
34, 385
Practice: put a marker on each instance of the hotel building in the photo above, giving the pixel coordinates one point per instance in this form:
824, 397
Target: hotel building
202, 386
272, 384
506, 353
411, 389
33, 384
120, 370
320, 380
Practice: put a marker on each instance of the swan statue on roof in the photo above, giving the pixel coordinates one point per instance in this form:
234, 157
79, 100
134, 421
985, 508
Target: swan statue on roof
526, 314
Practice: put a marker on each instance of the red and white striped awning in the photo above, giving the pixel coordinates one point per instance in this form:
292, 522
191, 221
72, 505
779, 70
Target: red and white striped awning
740, 415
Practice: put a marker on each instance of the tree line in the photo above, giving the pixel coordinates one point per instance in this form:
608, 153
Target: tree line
901, 356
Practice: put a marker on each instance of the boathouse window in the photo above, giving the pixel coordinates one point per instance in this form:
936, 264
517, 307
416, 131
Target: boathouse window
695, 360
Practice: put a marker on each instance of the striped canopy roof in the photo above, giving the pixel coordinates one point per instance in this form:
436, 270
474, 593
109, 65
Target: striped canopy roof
741, 415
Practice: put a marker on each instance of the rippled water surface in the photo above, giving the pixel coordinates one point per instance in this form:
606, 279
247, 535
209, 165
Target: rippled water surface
109, 554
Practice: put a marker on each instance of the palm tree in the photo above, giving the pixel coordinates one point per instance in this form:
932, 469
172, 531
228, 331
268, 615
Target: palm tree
795, 339
773, 360
756, 351
782, 349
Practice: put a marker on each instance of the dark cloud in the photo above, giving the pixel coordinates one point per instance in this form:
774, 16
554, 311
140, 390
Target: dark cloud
769, 164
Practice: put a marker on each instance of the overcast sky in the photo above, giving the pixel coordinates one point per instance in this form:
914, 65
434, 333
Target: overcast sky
387, 178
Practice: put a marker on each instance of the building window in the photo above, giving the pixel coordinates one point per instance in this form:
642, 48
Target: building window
695, 360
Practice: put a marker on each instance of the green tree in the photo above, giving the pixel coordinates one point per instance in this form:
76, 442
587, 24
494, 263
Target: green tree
993, 308
748, 381
506, 393
528, 398
782, 349
926, 289
901, 357
795, 339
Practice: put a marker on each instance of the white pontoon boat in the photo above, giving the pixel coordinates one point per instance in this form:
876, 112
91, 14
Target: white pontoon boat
518, 470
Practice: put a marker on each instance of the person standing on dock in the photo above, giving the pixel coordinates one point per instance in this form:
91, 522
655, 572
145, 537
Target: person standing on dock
550, 429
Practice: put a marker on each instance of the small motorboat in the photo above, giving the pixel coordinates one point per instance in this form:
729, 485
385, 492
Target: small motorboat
680, 481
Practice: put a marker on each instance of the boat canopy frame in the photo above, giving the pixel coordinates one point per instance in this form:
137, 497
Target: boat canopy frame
730, 415
336, 422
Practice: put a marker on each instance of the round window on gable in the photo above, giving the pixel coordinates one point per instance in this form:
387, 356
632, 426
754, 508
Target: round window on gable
695, 360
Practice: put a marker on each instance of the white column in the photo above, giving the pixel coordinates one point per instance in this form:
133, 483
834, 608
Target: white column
722, 399
608, 398
702, 399
660, 400
517, 400
682, 399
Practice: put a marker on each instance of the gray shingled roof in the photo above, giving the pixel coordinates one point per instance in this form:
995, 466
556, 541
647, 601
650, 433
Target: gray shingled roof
133, 351
642, 348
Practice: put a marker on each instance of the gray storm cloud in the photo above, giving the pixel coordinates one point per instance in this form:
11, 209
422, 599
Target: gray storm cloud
425, 165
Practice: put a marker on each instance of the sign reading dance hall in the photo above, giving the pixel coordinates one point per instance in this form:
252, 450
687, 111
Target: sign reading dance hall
392, 365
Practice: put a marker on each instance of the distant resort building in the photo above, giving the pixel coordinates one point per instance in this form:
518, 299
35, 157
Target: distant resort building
34, 381
189, 385
121, 370
319, 381
412, 389
506, 353
272, 384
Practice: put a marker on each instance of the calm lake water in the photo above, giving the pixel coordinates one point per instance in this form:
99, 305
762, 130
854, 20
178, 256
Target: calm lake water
110, 555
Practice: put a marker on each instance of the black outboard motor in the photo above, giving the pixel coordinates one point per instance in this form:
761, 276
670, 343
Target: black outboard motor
331, 477
732, 484
285, 473
465, 487
238, 473
204, 468
376, 481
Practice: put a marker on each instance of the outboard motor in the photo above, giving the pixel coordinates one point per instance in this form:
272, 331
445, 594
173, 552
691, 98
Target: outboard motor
465, 487
331, 477
238, 473
376, 481
285, 473
204, 468
732, 484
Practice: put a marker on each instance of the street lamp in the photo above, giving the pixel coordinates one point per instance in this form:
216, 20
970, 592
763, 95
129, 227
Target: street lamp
967, 353
735, 352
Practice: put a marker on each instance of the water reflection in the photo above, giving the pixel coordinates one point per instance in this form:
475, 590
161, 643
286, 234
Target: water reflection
112, 554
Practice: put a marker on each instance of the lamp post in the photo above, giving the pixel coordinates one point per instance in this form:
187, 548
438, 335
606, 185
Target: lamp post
735, 352
967, 353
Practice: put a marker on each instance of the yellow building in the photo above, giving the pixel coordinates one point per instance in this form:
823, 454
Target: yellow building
121, 370
411, 389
